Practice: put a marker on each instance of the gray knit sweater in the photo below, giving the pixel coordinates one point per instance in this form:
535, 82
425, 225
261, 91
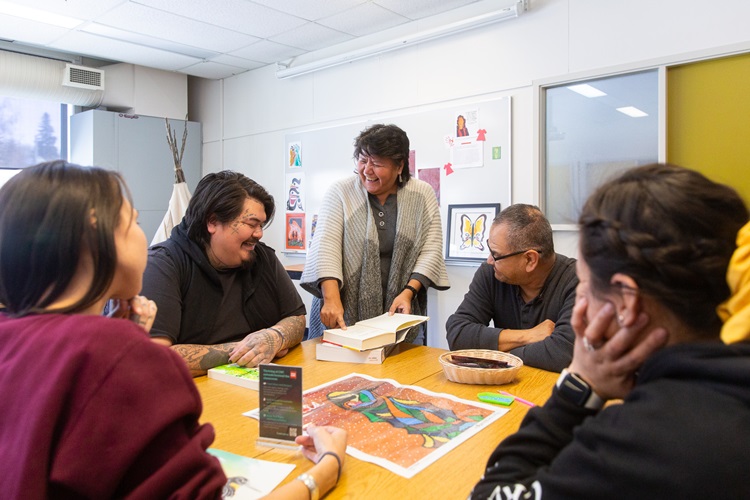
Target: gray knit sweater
345, 247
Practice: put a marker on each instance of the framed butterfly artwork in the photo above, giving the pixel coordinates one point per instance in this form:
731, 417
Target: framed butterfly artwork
468, 230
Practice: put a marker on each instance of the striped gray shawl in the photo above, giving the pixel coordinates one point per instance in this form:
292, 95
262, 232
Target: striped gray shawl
345, 247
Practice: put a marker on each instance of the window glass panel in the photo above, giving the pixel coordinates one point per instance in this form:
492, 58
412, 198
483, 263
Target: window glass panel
32, 131
588, 140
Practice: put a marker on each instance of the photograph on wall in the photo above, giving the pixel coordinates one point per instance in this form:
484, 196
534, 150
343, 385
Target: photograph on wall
295, 192
295, 231
412, 162
402, 428
432, 177
295, 154
468, 229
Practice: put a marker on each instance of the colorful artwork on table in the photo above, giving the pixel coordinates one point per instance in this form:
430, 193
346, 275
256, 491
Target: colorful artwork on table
403, 428
295, 231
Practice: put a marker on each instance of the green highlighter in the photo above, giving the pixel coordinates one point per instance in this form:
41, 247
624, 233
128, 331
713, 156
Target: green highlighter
495, 399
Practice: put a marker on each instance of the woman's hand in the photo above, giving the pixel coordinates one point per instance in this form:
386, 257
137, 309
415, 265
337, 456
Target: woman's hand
609, 365
332, 310
402, 303
319, 440
139, 310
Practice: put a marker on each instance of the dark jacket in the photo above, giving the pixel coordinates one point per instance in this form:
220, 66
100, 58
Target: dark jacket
489, 299
681, 433
189, 292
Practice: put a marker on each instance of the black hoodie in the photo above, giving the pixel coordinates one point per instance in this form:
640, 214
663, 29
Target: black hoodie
682, 432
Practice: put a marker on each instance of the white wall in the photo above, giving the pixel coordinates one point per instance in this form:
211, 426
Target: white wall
245, 117
145, 91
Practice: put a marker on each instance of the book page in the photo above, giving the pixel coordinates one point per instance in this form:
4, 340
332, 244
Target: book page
358, 331
393, 323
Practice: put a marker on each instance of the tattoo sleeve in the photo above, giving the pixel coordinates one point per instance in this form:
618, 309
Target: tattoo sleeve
292, 330
200, 358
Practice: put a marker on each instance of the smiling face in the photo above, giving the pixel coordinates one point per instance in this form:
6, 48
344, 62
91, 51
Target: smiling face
233, 243
378, 175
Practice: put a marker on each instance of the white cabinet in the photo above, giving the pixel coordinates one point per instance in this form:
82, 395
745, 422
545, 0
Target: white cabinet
136, 146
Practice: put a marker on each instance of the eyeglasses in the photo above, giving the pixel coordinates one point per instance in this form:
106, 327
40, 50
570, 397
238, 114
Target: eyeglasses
497, 258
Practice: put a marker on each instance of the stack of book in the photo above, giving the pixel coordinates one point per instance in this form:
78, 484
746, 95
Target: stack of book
368, 341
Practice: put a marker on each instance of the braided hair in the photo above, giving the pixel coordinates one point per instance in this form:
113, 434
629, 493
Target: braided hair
670, 229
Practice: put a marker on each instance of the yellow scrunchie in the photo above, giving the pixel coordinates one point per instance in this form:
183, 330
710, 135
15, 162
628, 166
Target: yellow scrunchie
736, 311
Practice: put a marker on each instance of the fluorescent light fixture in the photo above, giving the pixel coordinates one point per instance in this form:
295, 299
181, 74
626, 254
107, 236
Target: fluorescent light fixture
290, 70
632, 111
32, 14
586, 90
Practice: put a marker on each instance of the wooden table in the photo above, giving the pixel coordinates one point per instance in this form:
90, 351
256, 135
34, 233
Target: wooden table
295, 270
452, 476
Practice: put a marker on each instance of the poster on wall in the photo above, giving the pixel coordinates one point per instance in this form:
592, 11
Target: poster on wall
467, 123
468, 229
295, 154
467, 152
432, 177
295, 192
295, 232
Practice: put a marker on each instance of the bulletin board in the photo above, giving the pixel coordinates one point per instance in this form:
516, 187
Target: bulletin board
463, 151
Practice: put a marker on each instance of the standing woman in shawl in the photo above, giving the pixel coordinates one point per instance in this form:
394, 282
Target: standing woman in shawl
378, 242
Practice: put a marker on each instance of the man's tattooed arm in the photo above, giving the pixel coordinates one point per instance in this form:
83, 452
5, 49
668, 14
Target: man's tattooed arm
291, 330
200, 358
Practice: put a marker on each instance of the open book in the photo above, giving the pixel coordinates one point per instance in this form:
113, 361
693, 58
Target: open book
374, 332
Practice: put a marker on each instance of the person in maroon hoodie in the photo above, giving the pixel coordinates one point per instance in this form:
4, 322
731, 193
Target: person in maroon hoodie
91, 407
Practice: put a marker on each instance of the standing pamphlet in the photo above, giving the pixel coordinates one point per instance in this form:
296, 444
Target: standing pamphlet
280, 405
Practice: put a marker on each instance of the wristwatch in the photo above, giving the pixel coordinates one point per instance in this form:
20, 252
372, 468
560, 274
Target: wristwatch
309, 481
575, 390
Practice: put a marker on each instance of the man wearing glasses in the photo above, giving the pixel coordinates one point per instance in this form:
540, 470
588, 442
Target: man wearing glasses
526, 290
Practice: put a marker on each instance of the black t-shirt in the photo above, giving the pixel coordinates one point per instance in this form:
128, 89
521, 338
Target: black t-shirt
198, 306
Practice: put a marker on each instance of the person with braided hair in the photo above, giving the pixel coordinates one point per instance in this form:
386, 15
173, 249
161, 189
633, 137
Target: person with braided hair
654, 248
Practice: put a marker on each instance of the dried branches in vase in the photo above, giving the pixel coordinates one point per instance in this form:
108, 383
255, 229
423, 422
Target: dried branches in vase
179, 176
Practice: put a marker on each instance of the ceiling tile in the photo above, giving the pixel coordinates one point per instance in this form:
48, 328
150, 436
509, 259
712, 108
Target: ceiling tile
418, 9
237, 61
238, 15
96, 46
212, 70
311, 36
311, 10
160, 24
80, 9
23, 30
363, 20
148, 41
267, 52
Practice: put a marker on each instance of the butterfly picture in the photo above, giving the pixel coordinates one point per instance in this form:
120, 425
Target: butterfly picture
468, 231
472, 233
